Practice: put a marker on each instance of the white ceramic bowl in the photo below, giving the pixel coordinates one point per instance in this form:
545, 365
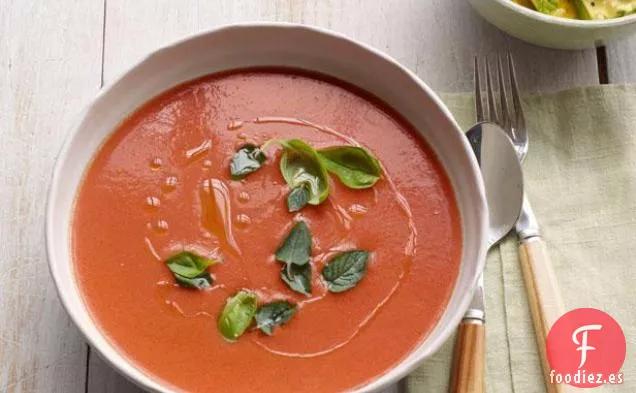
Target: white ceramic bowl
551, 31
266, 44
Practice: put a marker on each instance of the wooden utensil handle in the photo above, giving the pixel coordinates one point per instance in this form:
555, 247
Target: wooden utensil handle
468, 375
545, 300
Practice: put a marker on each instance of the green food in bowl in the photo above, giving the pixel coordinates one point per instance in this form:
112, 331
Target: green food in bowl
582, 9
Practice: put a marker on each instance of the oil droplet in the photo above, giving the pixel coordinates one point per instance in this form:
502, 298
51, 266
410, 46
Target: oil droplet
170, 184
217, 214
235, 125
207, 164
152, 203
242, 135
161, 226
156, 163
244, 197
243, 221
358, 210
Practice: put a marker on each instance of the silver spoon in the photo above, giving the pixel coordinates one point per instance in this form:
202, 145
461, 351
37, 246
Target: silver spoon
503, 181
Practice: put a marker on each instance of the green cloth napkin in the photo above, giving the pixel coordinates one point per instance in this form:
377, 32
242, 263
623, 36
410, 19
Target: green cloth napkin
580, 177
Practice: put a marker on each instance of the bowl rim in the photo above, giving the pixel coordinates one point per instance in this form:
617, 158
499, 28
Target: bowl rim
403, 367
566, 22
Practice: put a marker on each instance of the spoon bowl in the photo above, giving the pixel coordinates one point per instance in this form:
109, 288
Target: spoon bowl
502, 175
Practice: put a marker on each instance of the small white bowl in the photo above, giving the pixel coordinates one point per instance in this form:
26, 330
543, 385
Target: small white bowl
551, 31
267, 44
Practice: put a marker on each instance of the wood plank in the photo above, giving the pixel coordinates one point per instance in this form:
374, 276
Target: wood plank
49, 67
435, 38
621, 61
104, 379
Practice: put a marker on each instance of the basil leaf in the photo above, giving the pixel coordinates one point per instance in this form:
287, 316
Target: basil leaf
354, 166
246, 160
297, 277
189, 270
188, 264
237, 315
345, 270
296, 248
200, 282
295, 253
297, 198
273, 314
301, 166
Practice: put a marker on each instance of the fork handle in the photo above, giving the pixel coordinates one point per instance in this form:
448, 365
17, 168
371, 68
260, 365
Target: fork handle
544, 296
468, 375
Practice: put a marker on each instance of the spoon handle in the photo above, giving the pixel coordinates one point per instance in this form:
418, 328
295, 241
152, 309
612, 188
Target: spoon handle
468, 375
544, 296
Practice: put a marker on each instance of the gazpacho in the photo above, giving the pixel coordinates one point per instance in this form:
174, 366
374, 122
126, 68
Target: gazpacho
266, 230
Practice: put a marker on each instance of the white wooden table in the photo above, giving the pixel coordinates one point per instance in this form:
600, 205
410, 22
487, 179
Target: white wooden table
56, 54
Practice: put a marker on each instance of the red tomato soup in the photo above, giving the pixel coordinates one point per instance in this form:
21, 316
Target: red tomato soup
161, 184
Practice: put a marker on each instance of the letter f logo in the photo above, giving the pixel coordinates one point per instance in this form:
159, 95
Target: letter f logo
584, 347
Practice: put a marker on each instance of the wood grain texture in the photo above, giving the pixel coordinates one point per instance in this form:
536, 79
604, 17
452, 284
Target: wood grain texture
621, 61
435, 38
469, 368
104, 379
544, 297
50, 61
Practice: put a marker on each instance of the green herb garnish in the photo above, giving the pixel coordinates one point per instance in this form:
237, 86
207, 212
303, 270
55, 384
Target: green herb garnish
297, 277
301, 167
306, 170
248, 159
295, 253
237, 315
297, 198
190, 270
296, 248
354, 166
274, 314
344, 271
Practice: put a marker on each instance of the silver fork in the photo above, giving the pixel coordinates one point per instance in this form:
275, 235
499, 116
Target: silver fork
544, 296
511, 120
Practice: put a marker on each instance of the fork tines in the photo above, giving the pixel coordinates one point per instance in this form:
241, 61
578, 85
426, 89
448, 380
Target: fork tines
499, 111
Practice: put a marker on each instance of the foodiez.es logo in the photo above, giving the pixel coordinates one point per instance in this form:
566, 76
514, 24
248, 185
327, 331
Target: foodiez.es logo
586, 348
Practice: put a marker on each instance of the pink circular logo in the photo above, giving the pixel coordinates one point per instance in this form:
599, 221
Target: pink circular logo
586, 348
